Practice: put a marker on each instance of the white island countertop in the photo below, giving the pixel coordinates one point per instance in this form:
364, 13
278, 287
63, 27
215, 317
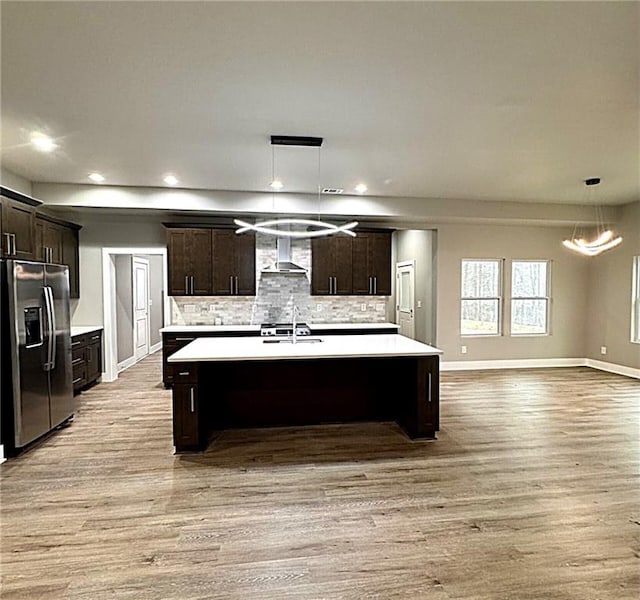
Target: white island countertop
331, 346
241, 328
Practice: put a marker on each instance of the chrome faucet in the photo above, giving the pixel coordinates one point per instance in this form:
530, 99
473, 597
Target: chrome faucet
295, 312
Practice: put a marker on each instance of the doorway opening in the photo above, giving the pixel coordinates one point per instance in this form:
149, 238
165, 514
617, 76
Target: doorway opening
405, 298
135, 304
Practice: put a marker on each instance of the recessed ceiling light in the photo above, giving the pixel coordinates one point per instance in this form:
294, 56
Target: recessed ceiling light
42, 142
361, 188
96, 177
170, 179
276, 184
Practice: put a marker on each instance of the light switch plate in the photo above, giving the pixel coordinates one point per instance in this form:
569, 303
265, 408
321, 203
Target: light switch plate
212, 308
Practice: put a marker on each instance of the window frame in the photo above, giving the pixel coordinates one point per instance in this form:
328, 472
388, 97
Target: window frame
546, 298
635, 301
499, 298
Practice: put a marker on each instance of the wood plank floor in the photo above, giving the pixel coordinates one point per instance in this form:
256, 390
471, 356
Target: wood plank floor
531, 492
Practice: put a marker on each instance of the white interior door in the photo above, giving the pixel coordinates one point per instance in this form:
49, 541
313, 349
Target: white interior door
405, 298
140, 307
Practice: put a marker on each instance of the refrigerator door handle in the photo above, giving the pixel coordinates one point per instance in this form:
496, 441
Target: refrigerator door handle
51, 322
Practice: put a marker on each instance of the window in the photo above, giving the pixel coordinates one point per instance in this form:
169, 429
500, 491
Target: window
635, 302
529, 297
481, 303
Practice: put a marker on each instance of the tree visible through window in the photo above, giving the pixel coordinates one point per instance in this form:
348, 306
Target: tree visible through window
529, 297
481, 304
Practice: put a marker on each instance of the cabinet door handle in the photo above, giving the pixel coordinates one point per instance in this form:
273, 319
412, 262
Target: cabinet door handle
335, 285
13, 243
370, 285
236, 278
78, 380
193, 286
231, 284
192, 400
90, 350
95, 337
8, 238
77, 361
183, 373
186, 285
185, 339
375, 285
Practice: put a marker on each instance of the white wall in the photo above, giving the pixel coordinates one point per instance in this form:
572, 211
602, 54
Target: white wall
569, 288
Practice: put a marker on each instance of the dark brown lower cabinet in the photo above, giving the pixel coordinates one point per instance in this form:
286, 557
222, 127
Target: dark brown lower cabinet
86, 359
187, 421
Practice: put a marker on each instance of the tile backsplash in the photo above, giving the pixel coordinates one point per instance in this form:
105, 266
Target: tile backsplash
276, 294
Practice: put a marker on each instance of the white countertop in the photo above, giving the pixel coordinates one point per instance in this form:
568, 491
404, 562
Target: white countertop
312, 326
331, 346
82, 329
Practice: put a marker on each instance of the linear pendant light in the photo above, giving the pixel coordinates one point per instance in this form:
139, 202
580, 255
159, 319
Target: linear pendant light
605, 238
294, 227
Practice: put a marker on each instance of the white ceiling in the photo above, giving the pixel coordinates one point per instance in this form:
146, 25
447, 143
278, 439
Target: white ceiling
479, 100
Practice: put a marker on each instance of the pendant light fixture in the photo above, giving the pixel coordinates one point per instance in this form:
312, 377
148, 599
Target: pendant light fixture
294, 227
604, 238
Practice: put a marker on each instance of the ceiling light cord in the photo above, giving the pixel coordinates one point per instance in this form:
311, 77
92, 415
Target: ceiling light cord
294, 227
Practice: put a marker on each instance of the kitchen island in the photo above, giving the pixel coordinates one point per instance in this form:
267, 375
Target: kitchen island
222, 383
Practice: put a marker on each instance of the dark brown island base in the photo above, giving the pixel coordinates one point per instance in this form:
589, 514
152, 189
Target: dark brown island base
224, 383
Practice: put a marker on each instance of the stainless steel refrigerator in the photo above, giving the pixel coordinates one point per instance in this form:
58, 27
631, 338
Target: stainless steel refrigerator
37, 389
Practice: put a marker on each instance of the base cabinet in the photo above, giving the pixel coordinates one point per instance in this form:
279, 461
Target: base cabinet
86, 359
188, 422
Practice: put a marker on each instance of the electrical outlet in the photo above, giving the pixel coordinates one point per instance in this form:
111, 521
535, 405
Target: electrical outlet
217, 321
363, 307
318, 307
603, 349
463, 349
212, 308
419, 303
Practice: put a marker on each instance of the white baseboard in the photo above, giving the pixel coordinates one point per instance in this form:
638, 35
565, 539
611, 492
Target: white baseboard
125, 364
524, 363
155, 347
613, 368
538, 363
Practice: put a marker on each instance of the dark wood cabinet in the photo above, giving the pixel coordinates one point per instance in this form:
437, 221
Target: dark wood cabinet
187, 424
234, 263
86, 359
71, 258
371, 262
211, 262
48, 241
57, 242
331, 271
190, 262
18, 229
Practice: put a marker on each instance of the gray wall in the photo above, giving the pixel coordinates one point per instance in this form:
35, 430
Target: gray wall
124, 306
569, 284
15, 182
156, 294
419, 245
608, 320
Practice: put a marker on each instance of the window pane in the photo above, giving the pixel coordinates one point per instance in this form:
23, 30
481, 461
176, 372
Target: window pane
528, 316
479, 317
480, 278
529, 278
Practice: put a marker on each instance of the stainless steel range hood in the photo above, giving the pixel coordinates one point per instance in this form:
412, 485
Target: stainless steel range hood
283, 262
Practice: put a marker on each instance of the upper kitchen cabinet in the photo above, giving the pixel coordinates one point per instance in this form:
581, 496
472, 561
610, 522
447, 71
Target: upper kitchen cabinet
371, 256
18, 229
331, 272
57, 242
234, 263
190, 261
